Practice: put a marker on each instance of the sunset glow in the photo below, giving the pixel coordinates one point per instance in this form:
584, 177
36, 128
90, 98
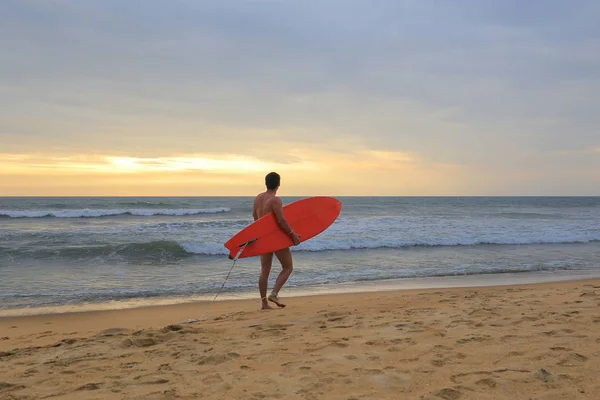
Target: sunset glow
488, 102
345, 173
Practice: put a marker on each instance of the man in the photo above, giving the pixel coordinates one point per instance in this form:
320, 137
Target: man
265, 203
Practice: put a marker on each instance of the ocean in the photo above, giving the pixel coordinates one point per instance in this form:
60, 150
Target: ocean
118, 251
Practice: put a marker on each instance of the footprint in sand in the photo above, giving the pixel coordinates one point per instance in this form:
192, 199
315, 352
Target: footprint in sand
511, 373
544, 375
449, 394
89, 386
525, 319
142, 342
441, 361
114, 332
438, 363
10, 387
32, 371
45, 334
330, 344
511, 354
68, 372
372, 371
165, 367
572, 360
216, 359
456, 322
483, 312
150, 379
291, 363
64, 341
407, 340
336, 317
268, 330
550, 333
487, 382
473, 338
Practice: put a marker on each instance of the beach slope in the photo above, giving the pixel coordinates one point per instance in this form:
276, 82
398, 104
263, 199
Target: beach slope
538, 341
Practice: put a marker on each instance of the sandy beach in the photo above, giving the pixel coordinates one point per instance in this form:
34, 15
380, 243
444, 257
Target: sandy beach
534, 341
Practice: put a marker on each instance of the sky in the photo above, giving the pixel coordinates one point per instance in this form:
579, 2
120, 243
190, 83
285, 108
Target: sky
341, 97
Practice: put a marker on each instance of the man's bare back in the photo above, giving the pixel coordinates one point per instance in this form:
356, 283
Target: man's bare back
263, 204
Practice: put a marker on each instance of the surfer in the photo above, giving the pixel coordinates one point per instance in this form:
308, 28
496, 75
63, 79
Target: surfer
265, 203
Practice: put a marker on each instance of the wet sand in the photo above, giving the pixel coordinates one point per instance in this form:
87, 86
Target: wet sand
534, 341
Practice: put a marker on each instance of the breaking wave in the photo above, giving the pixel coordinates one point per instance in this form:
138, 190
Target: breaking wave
92, 213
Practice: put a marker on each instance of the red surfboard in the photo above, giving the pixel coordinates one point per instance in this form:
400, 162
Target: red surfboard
307, 217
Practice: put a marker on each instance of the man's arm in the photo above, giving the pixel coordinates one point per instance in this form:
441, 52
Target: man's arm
277, 207
254, 212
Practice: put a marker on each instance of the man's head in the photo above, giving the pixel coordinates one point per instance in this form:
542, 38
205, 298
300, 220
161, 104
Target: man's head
272, 180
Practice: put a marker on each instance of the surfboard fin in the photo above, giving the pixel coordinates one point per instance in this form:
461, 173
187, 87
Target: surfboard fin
248, 242
242, 246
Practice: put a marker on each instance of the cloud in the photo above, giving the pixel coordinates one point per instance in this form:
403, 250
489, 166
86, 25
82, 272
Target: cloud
493, 88
109, 164
313, 172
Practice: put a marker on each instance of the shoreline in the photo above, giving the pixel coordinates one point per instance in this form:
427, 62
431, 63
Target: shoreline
442, 282
465, 281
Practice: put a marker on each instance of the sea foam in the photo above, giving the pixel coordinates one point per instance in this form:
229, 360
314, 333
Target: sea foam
92, 213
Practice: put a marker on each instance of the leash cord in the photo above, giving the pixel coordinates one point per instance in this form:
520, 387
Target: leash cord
242, 248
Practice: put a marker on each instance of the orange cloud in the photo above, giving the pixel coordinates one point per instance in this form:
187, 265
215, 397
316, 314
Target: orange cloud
75, 165
355, 171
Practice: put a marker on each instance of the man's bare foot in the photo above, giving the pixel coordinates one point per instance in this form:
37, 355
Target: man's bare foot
265, 304
275, 299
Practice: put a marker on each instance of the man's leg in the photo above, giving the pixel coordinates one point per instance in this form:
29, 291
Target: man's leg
287, 266
266, 260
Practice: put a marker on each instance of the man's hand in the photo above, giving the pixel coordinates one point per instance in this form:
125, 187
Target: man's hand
295, 239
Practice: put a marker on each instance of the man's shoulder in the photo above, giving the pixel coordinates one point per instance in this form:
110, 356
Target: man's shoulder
275, 201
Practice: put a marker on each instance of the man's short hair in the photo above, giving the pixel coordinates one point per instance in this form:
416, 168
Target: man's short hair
272, 180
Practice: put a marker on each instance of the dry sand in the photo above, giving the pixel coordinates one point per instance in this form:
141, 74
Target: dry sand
507, 342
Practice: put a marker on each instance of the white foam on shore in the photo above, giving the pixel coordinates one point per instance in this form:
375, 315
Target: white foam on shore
522, 278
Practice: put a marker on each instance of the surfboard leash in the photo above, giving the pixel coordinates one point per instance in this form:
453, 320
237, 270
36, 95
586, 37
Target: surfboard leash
239, 253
